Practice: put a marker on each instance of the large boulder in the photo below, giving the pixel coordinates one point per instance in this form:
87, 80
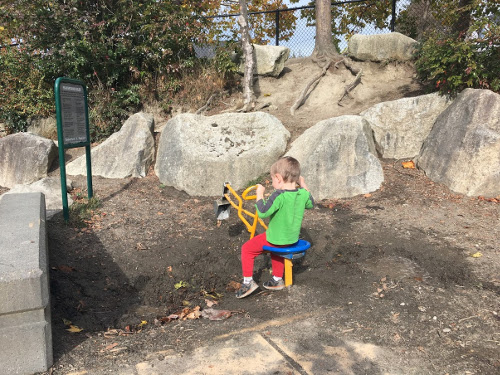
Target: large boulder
338, 158
198, 154
44, 127
462, 150
401, 126
381, 47
51, 189
268, 60
127, 153
25, 158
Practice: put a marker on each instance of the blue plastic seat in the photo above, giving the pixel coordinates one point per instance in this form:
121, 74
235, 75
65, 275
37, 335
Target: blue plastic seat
295, 251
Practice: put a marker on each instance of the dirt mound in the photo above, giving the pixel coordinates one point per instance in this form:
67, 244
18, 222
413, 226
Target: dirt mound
379, 83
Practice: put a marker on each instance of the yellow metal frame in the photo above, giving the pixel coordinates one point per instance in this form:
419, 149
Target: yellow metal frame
256, 220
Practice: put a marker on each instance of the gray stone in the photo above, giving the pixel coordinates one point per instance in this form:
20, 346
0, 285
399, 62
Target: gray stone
51, 189
25, 324
127, 153
268, 60
3, 130
25, 158
462, 150
44, 127
338, 158
381, 47
198, 154
401, 126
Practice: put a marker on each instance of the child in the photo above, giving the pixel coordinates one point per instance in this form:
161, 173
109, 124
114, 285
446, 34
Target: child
285, 207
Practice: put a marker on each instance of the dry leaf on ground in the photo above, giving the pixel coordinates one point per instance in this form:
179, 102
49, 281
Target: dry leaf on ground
214, 314
408, 164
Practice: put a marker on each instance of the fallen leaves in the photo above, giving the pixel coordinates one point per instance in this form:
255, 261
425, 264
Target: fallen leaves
113, 348
211, 303
408, 164
180, 284
71, 327
140, 246
213, 314
492, 200
185, 314
233, 286
477, 255
116, 332
383, 287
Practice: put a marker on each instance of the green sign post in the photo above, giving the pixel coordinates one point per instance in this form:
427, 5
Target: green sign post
72, 128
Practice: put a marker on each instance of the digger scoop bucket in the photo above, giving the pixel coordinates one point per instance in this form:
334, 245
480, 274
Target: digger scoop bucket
222, 206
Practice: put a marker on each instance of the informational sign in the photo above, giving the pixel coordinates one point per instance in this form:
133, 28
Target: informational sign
73, 113
72, 128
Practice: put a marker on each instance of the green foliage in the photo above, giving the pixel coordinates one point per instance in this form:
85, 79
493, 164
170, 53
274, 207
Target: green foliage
457, 54
451, 65
23, 90
114, 46
223, 62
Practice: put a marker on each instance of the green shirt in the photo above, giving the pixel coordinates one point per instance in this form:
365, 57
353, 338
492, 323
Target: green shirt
285, 208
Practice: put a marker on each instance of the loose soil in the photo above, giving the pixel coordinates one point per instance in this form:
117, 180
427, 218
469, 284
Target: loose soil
413, 267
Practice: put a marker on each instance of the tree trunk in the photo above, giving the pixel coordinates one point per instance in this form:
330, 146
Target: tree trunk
324, 50
464, 16
248, 95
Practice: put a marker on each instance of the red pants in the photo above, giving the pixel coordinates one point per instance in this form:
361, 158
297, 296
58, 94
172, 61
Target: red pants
253, 248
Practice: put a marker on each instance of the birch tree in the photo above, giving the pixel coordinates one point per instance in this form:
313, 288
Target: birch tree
248, 94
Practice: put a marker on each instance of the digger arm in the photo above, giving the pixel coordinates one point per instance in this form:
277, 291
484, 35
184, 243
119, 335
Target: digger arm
250, 227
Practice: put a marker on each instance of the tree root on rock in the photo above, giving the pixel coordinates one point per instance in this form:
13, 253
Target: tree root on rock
311, 85
314, 82
209, 101
354, 83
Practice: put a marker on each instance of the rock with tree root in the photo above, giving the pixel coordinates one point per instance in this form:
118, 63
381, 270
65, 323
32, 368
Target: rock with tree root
44, 127
401, 126
197, 154
25, 158
268, 60
462, 150
338, 158
51, 188
381, 47
127, 153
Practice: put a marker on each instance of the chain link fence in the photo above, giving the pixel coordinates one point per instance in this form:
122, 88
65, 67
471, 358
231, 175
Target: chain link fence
295, 27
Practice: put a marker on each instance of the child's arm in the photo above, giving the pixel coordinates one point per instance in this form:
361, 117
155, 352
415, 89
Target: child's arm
302, 183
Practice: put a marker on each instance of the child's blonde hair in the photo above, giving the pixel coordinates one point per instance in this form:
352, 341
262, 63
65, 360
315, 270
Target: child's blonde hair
288, 168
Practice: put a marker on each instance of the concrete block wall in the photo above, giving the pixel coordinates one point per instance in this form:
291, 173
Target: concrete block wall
25, 326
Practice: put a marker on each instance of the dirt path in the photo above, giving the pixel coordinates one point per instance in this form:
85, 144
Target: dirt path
393, 269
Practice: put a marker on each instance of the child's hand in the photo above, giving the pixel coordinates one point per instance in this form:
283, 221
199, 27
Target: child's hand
302, 183
260, 191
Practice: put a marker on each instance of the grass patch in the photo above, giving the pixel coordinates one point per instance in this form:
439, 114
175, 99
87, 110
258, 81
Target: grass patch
83, 211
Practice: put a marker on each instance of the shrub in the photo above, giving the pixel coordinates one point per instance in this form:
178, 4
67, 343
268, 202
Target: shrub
464, 49
117, 48
24, 93
451, 65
